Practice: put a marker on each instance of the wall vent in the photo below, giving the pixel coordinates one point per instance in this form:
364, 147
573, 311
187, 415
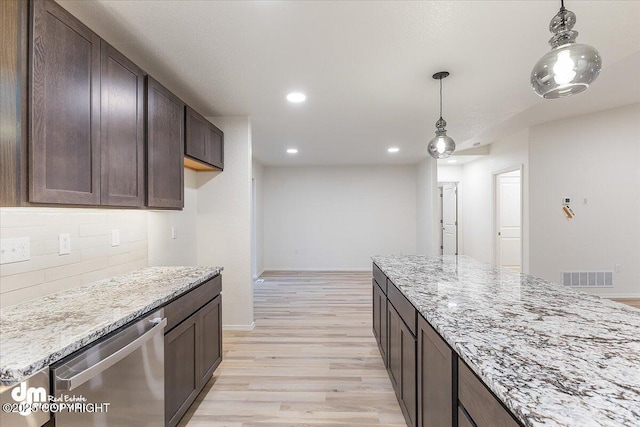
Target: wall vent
590, 279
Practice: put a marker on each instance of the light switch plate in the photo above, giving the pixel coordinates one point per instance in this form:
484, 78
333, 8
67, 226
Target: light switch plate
15, 250
115, 237
174, 233
64, 244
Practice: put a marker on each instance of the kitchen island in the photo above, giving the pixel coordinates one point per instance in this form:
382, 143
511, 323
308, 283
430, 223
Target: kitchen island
549, 355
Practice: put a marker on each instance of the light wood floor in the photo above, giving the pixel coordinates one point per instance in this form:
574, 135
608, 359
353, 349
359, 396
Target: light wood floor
312, 360
635, 302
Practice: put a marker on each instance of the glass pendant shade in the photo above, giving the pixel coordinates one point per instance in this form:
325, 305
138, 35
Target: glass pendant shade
569, 67
441, 146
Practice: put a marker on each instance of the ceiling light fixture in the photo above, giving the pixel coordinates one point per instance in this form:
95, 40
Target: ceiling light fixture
569, 67
393, 149
292, 150
296, 97
441, 146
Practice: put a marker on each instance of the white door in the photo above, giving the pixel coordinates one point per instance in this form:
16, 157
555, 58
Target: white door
508, 221
449, 220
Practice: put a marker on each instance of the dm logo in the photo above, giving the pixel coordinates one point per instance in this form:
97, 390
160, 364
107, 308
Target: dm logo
28, 396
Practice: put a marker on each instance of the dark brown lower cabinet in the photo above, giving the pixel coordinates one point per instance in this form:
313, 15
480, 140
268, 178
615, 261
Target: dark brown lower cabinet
402, 364
380, 320
180, 374
435, 379
483, 408
211, 339
192, 352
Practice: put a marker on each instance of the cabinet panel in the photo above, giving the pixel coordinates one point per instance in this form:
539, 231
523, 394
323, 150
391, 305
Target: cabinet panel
376, 310
435, 388
463, 420
181, 376
484, 409
210, 351
121, 130
380, 320
402, 364
215, 147
405, 309
165, 147
64, 108
196, 135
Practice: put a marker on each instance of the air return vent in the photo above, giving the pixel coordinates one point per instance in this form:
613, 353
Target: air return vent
591, 279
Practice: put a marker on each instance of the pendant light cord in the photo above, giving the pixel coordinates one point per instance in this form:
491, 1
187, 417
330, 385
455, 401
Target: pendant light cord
562, 5
441, 98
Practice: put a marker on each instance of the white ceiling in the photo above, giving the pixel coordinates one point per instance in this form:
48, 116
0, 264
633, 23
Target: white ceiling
366, 67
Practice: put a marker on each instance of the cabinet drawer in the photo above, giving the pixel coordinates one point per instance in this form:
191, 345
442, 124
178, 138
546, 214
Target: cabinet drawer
380, 278
405, 309
187, 304
480, 404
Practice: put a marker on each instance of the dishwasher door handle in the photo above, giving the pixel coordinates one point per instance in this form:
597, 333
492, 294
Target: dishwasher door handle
68, 384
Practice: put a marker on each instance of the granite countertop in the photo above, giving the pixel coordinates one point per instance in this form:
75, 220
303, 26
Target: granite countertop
40, 332
553, 355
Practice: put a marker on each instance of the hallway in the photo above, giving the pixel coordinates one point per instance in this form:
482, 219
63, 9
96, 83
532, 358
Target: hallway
311, 360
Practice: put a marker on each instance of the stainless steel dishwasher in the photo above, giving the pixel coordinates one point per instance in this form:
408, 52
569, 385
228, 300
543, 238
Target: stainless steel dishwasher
118, 381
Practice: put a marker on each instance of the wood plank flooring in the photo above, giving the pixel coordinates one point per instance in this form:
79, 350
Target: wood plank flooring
312, 360
634, 302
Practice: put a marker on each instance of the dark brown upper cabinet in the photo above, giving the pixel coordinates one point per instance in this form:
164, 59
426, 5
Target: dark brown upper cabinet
165, 147
121, 130
204, 143
64, 146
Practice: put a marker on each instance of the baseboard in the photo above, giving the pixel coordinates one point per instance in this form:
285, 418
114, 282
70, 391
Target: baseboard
244, 328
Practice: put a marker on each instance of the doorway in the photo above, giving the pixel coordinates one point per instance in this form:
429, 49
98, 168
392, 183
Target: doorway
508, 219
449, 219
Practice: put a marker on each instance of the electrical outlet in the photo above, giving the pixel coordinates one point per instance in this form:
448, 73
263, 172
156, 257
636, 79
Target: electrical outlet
64, 244
174, 233
115, 237
15, 250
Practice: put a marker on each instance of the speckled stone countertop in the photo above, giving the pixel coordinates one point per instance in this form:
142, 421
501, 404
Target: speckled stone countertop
553, 355
40, 332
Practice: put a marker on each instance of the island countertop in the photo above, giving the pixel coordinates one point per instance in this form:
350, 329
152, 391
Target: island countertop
40, 332
553, 355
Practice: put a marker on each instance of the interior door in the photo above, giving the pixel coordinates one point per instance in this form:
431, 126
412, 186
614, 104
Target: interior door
449, 220
508, 221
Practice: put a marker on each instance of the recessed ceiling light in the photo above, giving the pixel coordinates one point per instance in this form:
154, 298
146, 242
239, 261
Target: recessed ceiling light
292, 150
452, 161
296, 97
393, 149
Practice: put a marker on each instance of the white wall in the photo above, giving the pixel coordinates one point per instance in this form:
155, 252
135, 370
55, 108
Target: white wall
258, 217
224, 222
596, 156
183, 250
427, 217
92, 257
336, 217
476, 223
449, 173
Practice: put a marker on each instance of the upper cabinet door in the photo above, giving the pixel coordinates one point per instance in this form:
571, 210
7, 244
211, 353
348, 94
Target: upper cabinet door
196, 135
165, 147
215, 147
204, 143
121, 130
64, 145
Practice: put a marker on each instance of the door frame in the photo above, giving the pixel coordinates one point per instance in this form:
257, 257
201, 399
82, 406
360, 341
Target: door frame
494, 202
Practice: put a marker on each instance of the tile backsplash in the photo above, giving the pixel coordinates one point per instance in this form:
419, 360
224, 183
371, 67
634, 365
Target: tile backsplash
92, 255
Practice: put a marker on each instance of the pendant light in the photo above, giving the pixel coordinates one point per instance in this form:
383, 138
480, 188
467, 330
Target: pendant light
441, 146
569, 67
